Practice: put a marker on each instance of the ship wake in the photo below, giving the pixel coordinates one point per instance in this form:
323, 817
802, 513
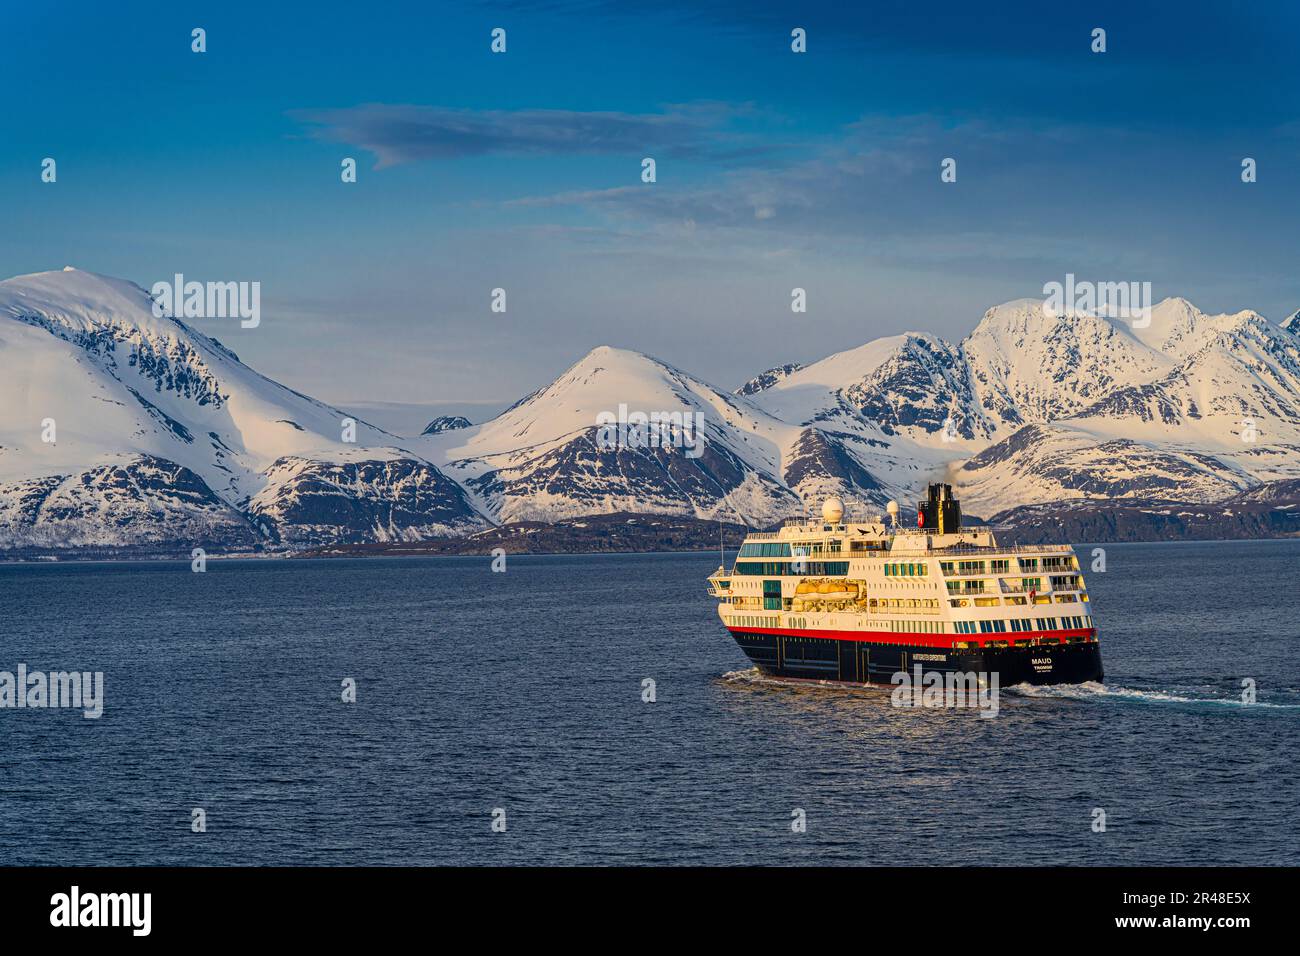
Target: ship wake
753, 677
1093, 691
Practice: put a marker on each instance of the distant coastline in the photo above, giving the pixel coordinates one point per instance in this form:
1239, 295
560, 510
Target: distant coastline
628, 533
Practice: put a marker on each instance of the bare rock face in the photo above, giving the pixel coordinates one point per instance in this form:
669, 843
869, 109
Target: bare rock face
310, 503
446, 423
141, 502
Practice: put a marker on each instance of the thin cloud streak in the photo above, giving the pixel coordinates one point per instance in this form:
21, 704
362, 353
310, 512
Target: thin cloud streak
398, 134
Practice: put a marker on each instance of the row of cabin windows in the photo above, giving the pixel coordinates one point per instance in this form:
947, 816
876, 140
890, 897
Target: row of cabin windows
784, 549
917, 627
1061, 562
908, 570
997, 566
764, 549
912, 627
1028, 584
811, 568
982, 627
1073, 623
834, 546
1003, 565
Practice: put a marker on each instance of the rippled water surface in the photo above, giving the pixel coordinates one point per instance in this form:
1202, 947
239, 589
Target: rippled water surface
523, 691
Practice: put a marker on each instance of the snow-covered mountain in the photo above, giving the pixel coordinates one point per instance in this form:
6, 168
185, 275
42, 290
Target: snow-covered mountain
122, 429
1193, 407
1034, 407
543, 458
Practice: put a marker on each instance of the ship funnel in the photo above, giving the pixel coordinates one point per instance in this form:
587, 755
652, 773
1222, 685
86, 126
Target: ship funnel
939, 511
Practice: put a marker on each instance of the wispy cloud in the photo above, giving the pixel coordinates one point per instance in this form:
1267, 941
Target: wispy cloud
1026, 192
398, 134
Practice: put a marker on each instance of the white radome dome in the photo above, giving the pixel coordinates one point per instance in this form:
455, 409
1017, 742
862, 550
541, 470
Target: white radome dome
832, 510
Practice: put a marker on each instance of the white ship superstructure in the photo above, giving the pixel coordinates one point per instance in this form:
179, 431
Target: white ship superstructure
859, 601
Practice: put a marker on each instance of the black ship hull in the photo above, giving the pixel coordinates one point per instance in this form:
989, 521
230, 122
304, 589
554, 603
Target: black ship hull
871, 662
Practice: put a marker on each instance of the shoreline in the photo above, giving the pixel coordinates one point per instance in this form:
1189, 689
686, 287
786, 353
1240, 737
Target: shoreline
346, 553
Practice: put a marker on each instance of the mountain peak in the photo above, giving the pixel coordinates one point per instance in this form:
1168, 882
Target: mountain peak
446, 423
611, 353
768, 378
625, 365
78, 298
1014, 307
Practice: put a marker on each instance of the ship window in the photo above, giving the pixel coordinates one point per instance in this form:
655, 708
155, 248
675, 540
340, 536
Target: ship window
764, 549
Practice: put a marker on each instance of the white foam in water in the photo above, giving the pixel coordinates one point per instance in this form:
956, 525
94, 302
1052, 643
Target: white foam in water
749, 674
752, 675
1091, 690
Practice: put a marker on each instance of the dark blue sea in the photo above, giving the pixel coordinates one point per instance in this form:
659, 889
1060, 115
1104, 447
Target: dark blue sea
523, 691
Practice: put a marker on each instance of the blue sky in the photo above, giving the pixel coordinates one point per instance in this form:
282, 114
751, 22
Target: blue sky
522, 171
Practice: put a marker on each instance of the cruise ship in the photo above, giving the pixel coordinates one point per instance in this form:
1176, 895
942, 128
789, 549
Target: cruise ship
858, 602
